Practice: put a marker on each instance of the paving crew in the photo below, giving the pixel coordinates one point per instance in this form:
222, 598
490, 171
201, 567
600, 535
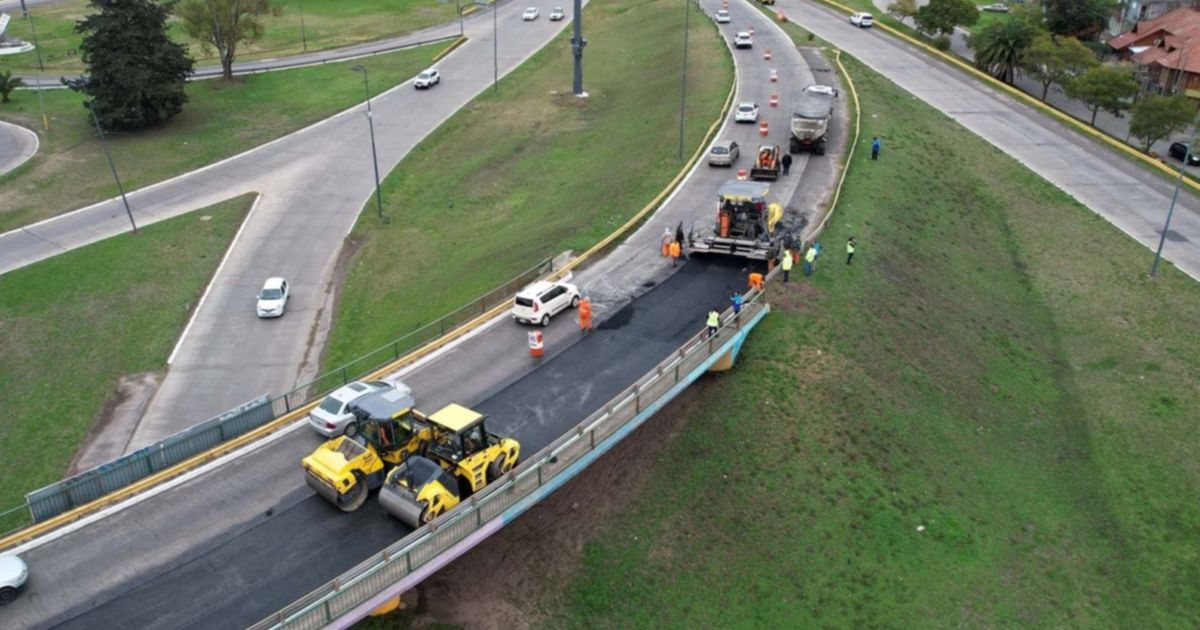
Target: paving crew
810, 259
737, 300
714, 322
676, 251
585, 314
756, 281
666, 242
787, 263
850, 244
786, 162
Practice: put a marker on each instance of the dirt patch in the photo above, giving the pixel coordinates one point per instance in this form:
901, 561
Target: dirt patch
109, 435
502, 583
319, 333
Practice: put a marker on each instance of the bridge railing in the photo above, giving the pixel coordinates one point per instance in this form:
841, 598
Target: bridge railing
477, 517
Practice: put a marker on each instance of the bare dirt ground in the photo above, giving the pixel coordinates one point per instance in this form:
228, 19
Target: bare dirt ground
109, 435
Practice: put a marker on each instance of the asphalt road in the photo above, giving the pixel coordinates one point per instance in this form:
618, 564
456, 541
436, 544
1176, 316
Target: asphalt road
195, 534
17, 144
1127, 195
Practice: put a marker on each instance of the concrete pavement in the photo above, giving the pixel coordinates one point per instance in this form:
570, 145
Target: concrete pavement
17, 144
1127, 195
236, 541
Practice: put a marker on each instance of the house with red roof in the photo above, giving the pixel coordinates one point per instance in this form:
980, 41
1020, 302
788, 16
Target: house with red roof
1166, 51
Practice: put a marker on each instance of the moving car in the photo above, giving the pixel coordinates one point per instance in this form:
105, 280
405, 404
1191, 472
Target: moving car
273, 298
746, 112
557, 14
722, 17
530, 14
540, 301
427, 79
742, 40
1179, 150
333, 416
723, 153
995, 8
13, 575
862, 19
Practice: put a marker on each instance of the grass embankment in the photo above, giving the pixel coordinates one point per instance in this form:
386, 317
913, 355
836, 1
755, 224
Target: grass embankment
220, 120
72, 325
327, 24
527, 173
988, 420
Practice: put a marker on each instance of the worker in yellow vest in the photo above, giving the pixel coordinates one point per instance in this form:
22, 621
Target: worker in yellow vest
810, 259
787, 263
714, 322
850, 245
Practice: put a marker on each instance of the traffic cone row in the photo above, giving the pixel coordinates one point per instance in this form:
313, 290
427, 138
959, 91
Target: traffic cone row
762, 128
767, 54
774, 76
774, 102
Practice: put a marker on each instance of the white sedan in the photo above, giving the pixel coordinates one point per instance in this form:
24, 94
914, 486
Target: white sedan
530, 14
273, 298
722, 17
746, 112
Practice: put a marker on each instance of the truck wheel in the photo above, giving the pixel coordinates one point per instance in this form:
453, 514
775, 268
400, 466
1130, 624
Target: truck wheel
793, 147
820, 148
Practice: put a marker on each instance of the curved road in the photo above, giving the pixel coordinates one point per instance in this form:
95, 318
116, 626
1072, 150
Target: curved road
236, 541
17, 144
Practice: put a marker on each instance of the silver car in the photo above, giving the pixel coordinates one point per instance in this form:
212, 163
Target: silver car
333, 416
723, 153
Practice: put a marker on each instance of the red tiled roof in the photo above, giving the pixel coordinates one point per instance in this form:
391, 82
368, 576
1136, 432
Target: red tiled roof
1177, 28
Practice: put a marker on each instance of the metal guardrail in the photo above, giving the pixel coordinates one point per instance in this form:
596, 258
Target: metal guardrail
64, 495
387, 568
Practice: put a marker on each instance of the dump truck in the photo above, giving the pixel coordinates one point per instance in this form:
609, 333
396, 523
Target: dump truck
387, 428
746, 225
461, 458
810, 119
766, 162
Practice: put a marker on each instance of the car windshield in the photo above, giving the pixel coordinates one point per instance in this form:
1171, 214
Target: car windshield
271, 294
331, 405
745, 108
524, 301
425, 75
720, 150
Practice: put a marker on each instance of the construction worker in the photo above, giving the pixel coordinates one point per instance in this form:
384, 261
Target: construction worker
786, 161
737, 300
756, 281
585, 315
666, 242
714, 322
676, 251
786, 264
810, 259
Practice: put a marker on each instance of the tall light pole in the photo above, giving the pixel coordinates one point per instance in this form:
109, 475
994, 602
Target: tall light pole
41, 69
683, 92
111, 165
495, 49
1162, 239
371, 126
458, 9
303, 35
577, 44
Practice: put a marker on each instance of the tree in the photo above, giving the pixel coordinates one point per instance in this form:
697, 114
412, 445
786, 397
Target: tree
941, 16
999, 46
903, 9
1156, 117
1052, 59
225, 25
1103, 87
8, 83
1083, 19
136, 74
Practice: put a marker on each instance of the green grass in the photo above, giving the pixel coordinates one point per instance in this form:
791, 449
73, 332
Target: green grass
986, 18
72, 325
327, 24
220, 120
528, 173
996, 368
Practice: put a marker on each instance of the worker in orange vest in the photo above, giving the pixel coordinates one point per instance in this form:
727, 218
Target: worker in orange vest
666, 242
585, 315
676, 252
756, 281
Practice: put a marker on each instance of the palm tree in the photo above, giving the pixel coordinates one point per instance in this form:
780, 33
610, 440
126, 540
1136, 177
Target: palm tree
999, 45
8, 83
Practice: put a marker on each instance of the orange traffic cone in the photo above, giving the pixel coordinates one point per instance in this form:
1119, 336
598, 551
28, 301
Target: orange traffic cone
536, 348
767, 54
762, 128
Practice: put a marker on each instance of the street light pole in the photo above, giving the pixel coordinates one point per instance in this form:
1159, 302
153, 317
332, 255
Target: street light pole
371, 125
1162, 239
41, 69
111, 165
577, 44
495, 49
458, 8
303, 35
683, 94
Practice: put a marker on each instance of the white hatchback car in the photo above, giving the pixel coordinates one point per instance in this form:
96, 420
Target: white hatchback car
427, 79
557, 14
742, 40
333, 416
722, 17
13, 575
862, 20
540, 301
273, 298
530, 14
746, 112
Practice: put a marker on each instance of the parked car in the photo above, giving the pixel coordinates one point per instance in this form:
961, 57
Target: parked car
746, 112
723, 153
333, 416
557, 13
722, 17
995, 8
273, 298
1179, 150
742, 40
427, 79
862, 20
540, 301
13, 575
530, 14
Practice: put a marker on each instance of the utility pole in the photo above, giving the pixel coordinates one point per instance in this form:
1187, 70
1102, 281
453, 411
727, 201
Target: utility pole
683, 92
41, 69
371, 125
303, 35
495, 49
577, 44
111, 165
458, 9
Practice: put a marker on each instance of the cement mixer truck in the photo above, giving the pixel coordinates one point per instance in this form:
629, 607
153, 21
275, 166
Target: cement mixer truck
810, 119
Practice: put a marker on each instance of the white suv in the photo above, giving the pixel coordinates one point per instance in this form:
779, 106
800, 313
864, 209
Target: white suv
540, 301
742, 40
862, 20
333, 416
427, 79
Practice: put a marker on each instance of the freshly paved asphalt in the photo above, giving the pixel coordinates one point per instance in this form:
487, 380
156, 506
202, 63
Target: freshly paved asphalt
1127, 195
216, 539
17, 144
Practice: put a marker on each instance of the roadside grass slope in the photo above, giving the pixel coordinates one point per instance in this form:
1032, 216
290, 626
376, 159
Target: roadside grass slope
220, 120
987, 421
531, 171
71, 326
